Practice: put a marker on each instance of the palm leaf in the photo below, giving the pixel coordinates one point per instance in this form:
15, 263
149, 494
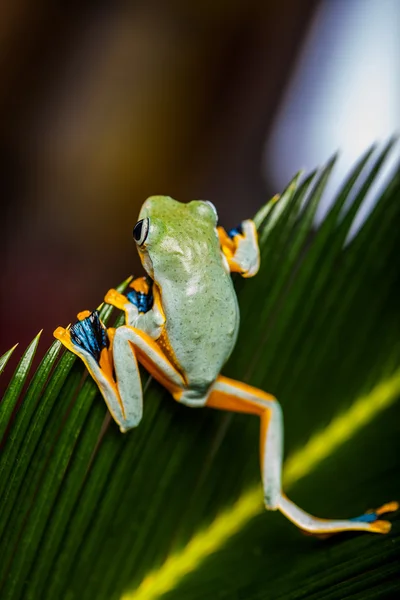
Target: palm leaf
174, 509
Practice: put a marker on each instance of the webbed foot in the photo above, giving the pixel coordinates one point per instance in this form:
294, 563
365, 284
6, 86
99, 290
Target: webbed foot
88, 334
115, 299
372, 517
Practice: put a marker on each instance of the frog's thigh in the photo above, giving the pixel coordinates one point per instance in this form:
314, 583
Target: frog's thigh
235, 396
149, 355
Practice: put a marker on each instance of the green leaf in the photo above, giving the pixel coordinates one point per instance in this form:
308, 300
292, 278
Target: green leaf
174, 509
23, 417
13, 391
5, 358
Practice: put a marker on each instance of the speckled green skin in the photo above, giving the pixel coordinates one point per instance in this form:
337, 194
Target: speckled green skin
183, 256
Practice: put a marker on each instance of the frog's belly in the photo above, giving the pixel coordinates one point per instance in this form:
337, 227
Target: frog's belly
203, 339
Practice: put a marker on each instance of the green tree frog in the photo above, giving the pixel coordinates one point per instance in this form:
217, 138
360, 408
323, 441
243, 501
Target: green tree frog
181, 324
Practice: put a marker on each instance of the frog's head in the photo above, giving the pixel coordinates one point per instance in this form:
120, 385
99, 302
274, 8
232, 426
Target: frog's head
172, 235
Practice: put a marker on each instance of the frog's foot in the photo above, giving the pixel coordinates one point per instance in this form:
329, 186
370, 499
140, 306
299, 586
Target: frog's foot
240, 247
369, 521
139, 299
63, 335
116, 299
87, 336
141, 294
372, 517
90, 334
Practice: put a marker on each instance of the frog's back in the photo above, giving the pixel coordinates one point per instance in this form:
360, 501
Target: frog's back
202, 324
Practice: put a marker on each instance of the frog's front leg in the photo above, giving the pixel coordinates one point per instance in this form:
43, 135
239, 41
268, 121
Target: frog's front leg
111, 356
238, 397
142, 306
94, 345
240, 248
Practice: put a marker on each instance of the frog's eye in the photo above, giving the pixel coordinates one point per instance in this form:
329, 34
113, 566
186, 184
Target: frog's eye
140, 231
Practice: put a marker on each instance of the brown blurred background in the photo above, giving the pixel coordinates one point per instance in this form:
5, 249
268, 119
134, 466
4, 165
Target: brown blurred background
105, 103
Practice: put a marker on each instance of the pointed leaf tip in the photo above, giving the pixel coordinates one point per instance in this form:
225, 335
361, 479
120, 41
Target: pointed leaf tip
16, 384
295, 180
264, 211
6, 356
124, 284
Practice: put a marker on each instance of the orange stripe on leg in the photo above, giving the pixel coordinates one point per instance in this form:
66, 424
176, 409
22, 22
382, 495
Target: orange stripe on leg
242, 398
265, 420
151, 365
228, 400
224, 401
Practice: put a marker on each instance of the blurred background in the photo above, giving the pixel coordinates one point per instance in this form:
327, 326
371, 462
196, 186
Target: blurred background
105, 103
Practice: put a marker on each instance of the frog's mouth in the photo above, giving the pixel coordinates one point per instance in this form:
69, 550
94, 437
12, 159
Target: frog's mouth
146, 262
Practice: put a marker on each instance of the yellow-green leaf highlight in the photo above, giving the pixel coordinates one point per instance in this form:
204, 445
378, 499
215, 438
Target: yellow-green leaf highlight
302, 463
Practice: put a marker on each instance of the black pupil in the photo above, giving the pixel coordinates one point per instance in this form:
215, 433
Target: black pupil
137, 230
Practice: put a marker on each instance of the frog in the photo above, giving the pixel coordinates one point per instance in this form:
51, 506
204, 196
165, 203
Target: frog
181, 324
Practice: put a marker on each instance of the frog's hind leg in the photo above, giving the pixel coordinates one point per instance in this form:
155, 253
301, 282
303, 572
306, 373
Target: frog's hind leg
238, 397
